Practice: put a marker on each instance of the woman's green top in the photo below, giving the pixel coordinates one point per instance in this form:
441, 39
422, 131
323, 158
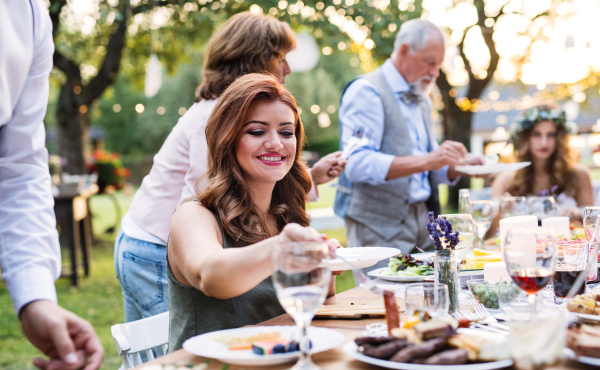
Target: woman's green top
192, 313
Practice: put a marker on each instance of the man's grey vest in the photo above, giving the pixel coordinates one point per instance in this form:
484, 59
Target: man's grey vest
383, 208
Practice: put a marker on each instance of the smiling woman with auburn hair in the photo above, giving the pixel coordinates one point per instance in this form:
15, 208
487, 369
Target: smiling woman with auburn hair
246, 43
219, 254
228, 191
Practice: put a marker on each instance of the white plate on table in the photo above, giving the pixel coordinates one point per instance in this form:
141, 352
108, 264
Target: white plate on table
582, 359
474, 274
491, 168
351, 350
402, 279
583, 315
203, 345
360, 257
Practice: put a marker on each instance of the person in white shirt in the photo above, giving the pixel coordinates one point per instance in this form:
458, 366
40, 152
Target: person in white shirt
246, 43
29, 248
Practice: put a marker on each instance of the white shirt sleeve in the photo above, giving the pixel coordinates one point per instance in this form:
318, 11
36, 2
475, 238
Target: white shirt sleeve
29, 249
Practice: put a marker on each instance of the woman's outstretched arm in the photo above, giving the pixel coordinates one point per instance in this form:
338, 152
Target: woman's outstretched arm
197, 257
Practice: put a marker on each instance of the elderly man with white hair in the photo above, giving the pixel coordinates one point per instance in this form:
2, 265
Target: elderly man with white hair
391, 179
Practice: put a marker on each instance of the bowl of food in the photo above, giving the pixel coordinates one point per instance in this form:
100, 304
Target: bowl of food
484, 292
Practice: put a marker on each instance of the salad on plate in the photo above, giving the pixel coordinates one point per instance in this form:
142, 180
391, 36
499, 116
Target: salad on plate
406, 265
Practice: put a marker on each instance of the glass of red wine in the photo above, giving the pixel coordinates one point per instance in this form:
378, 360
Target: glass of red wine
570, 263
530, 256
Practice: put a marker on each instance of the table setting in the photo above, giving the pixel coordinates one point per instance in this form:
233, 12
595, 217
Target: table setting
530, 306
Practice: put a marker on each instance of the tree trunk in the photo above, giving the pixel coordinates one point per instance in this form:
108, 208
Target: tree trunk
457, 127
73, 130
72, 113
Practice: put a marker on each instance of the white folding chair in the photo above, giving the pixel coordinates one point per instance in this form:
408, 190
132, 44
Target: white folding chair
141, 335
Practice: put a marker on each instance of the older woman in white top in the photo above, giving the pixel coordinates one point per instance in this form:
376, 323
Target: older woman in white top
246, 43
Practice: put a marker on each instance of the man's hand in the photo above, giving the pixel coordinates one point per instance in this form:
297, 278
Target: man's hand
474, 161
450, 153
328, 168
64, 337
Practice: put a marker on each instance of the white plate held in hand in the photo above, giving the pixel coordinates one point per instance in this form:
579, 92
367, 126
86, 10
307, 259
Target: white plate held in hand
203, 345
491, 168
360, 257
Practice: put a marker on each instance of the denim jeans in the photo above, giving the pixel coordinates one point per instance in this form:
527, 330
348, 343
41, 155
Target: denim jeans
141, 269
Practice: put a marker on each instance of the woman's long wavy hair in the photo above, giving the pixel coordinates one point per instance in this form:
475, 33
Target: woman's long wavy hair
228, 193
246, 43
560, 165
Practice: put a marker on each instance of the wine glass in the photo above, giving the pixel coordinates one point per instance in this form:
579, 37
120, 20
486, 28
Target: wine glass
590, 220
302, 283
513, 206
432, 298
483, 213
464, 224
542, 206
530, 256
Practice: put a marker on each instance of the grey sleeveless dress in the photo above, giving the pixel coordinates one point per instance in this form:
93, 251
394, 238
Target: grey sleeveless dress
192, 313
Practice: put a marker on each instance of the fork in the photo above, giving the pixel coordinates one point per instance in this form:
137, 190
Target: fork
487, 317
474, 318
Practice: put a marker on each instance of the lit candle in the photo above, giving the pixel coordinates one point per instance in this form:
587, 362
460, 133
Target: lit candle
559, 225
513, 223
493, 271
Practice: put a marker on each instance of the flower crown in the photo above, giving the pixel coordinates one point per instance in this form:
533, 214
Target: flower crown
534, 115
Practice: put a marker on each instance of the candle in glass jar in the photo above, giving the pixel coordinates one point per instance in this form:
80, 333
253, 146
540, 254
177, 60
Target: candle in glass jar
510, 223
559, 225
493, 271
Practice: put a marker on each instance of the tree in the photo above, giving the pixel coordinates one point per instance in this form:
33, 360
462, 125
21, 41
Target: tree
123, 33
457, 112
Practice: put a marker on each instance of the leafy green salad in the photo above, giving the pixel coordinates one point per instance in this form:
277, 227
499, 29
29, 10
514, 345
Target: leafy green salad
407, 266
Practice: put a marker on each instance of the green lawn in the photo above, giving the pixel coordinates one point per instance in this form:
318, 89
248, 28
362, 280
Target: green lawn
99, 299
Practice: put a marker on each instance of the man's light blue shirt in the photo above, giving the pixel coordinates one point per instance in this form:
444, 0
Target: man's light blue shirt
361, 110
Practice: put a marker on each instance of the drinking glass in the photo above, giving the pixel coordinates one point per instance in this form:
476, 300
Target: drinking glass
432, 298
570, 263
464, 201
302, 283
513, 206
542, 206
590, 221
464, 224
483, 213
538, 342
530, 256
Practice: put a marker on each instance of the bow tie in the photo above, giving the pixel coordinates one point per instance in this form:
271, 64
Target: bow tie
410, 97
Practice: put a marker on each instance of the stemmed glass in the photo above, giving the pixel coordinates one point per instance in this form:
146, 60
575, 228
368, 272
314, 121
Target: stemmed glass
302, 282
530, 256
542, 206
464, 224
590, 220
513, 206
483, 213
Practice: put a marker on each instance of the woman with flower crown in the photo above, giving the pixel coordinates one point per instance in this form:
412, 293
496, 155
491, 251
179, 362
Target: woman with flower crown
540, 136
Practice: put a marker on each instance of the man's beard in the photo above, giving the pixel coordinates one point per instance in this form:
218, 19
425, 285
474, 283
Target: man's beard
417, 86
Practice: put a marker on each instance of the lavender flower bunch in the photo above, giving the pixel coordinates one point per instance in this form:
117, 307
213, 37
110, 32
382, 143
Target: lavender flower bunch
442, 234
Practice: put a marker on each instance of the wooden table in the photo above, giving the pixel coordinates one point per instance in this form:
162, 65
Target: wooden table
73, 216
334, 358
